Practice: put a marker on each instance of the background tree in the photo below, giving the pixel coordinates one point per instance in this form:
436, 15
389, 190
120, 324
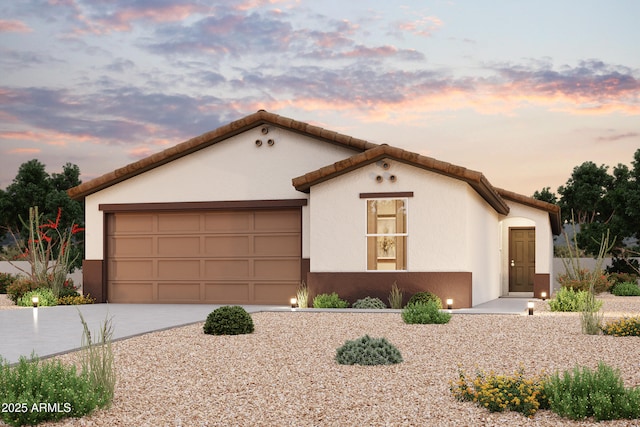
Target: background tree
33, 186
546, 196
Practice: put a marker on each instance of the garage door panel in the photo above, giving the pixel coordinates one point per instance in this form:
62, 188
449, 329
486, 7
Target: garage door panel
178, 269
235, 293
131, 270
227, 269
134, 246
171, 223
228, 222
131, 292
188, 246
173, 292
136, 223
274, 293
277, 221
283, 245
227, 246
277, 269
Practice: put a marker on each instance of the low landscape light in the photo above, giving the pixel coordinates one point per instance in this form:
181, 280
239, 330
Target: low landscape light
543, 295
449, 303
294, 302
35, 300
530, 306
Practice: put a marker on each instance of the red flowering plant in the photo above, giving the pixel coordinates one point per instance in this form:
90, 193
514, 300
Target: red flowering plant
48, 250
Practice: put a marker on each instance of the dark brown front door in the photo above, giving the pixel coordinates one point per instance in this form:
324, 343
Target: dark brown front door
522, 259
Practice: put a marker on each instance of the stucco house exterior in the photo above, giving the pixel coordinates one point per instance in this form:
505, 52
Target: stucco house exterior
244, 213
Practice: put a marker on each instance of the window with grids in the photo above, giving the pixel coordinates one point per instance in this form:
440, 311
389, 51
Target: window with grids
387, 234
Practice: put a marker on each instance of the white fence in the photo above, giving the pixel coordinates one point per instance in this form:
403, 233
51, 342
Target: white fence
14, 267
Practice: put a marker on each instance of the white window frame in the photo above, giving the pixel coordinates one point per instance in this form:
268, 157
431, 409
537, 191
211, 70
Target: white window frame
405, 234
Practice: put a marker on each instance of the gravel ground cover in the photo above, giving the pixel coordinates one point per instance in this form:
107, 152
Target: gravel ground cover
284, 373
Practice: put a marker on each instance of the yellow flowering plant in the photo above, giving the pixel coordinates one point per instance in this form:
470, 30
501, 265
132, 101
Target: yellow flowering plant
625, 327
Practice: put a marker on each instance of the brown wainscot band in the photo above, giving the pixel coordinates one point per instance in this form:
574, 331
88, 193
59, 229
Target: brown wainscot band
355, 285
93, 279
541, 284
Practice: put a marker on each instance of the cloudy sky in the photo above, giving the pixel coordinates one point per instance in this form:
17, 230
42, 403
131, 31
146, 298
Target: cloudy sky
521, 91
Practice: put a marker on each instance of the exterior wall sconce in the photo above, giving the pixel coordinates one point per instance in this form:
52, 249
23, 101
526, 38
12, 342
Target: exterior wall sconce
543, 295
35, 300
294, 303
530, 306
449, 304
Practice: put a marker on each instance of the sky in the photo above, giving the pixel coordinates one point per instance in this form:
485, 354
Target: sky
522, 91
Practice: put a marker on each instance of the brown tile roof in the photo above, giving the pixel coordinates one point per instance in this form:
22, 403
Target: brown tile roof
205, 140
368, 153
475, 179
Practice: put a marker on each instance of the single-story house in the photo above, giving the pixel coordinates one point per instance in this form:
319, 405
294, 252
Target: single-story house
245, 213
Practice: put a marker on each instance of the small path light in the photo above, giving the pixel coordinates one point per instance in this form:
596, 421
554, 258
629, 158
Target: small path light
294, 303
35, 300
530, 306
449, 303
543, 295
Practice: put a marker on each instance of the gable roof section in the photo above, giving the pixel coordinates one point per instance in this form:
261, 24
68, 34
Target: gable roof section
554, 210
475, 179
207, 139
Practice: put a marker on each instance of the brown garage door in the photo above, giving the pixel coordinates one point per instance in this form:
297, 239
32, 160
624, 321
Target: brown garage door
218, 257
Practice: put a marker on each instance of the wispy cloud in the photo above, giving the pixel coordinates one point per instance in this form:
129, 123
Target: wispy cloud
24, 151
619, 136
14, 27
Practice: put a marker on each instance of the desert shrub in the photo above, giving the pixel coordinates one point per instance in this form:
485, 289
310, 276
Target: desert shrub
30, 383
582, 280
97, 361
6, 279
21, 286
622, 278
395, 297
583, 393
368, 351
68, 289
625, 327
626, 289
302, 295
424, 297
424, 313
76, 300
331, 300
369, 302
570, 300
228, 320
499, 393
45, 298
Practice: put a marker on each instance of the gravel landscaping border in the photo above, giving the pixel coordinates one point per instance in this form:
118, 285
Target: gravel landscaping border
284, 374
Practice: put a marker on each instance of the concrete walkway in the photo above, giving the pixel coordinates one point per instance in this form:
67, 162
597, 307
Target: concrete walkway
48, 331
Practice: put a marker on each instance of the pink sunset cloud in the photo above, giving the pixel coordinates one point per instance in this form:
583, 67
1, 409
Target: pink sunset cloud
14, 27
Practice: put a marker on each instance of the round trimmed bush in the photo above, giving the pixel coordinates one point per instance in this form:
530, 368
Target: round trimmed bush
425, 297
368, 351
369, 302
626, 289
425, 313
331, 300
228, 320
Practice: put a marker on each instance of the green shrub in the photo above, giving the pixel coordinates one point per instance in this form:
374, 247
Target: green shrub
570, 300
45, 298
229, 320
498, 393
585, 393
31, 383
68, 289
329, 301
395, 297
6, 279
424, 297
626, 289
424, 313
76, 300
625, 327
369, 302
368, 351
